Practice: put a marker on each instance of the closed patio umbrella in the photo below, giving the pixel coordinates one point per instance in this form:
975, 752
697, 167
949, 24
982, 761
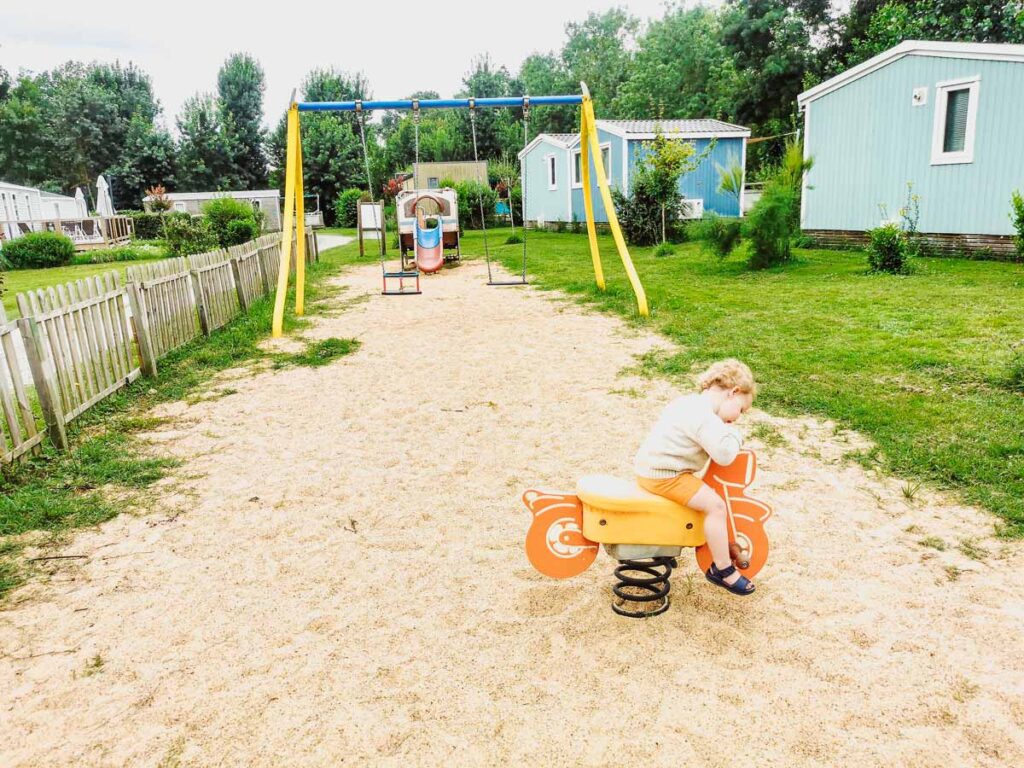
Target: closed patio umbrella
83, 208
104, 205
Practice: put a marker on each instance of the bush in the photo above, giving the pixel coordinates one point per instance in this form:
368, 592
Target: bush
1017, 217
221, 213
514, 239
640, 213
240, 231
149, 226
37, 250
446, 183
887, 251
769, 225
664, 249
346, 207
1015, 377
122, 253
188, 235
473, 194
720, 235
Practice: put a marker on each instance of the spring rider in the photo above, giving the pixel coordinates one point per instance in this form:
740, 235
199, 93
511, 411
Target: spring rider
644, 532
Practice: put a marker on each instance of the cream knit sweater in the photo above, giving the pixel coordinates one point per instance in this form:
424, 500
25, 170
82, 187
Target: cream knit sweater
686, 434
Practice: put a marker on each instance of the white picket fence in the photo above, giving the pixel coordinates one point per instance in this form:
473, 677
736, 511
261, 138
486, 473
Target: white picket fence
82, 344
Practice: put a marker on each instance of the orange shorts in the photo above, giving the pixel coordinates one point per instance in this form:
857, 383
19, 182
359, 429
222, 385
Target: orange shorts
679, 489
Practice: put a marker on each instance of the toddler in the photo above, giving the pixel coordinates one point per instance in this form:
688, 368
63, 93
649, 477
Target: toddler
691, 429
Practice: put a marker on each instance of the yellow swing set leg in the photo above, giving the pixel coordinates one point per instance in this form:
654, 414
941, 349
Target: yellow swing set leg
591, 147
294, 225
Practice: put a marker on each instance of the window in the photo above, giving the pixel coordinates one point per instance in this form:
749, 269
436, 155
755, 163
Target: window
179, 206
552, 176
433, 182
956, 113
577, 164
255, 204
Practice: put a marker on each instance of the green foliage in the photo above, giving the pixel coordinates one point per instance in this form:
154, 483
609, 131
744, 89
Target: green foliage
446, 183
346, 207
148, 226
664, 249
730, 178
206, 147
681, 69
122, 253
231, 221
240, 87
720, 234
38, 249
640, 213
188, 235
775, 218
598, 51
1017, 217
473, 194
514, 239
322, 352
887, 250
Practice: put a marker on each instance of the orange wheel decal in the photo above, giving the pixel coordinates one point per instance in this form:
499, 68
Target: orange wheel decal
555, 544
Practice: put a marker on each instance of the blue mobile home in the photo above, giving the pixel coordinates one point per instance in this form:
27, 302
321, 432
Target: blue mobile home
946, 118
551, 166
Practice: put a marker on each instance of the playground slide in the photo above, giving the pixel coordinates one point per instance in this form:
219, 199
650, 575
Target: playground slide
429, 248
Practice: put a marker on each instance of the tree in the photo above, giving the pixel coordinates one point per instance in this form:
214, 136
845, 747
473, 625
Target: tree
240, 86
497, 130
149, 158
681, 69
332, 155
546, 75
27, 151
665, 161
597, 52
205, 149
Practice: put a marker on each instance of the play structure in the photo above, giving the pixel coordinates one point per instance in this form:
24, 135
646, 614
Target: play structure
644, 532
293, 194
428, 227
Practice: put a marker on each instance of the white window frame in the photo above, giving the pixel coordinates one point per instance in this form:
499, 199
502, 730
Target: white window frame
551, 170
606, 146
942, 90
180, 207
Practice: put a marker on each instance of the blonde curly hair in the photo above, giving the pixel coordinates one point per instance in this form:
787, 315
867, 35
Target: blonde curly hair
728, 374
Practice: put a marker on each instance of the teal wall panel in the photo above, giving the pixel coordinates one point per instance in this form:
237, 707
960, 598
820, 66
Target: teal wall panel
869, 141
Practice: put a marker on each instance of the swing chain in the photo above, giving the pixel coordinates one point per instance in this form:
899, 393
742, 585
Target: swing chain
480, 197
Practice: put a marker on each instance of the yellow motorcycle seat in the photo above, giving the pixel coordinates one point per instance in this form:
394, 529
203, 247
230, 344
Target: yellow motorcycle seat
617, 511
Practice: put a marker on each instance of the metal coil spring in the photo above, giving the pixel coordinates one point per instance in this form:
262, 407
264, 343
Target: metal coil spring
654, 586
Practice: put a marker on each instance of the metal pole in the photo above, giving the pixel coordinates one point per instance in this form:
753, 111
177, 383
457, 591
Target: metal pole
496, 102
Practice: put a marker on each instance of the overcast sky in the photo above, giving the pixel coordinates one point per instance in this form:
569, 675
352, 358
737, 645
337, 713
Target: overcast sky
402, 46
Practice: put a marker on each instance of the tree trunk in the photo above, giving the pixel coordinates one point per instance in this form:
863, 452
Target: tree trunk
663, 238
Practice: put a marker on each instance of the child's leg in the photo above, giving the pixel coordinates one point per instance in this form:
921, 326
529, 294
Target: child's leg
716, 527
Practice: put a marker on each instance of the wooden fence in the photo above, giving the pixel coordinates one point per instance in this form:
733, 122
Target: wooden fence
79, 345
21, 434
163, 308
213, 283
82, 347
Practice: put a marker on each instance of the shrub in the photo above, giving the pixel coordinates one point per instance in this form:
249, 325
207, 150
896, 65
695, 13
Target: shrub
1015, 377
769, 226
473, 194
887, 251
640, 213
1017, 217
122, 253
240, 231
39, 249
221, 212
447, 183
160, 201
346, 207
664, 249
514, 239
148, 226
189, 235
719, 234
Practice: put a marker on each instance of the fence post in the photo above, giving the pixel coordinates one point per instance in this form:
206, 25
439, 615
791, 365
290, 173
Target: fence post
45, 377
239, 288
140, 322
197, 290
261, 262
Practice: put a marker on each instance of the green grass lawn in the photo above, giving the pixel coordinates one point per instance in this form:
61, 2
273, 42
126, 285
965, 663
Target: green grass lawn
921, 364
18, 280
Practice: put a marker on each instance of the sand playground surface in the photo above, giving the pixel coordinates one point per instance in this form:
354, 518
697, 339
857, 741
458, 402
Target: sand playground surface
335, 575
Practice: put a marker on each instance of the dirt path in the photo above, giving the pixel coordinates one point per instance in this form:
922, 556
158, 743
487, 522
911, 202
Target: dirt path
346, 582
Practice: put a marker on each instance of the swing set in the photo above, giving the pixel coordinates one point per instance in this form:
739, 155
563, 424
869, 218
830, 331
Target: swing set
294, 214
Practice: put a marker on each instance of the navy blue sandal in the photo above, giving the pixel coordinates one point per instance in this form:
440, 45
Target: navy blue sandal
742, 585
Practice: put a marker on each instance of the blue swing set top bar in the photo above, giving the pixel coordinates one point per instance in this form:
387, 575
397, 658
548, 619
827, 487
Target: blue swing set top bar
502, 101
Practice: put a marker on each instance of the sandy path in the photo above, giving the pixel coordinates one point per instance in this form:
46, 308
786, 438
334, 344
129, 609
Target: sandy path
347, 582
